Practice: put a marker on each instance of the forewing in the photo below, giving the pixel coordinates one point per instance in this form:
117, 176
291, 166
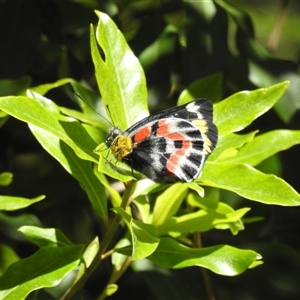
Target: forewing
173, 144
199, 108
199, 112
168, 150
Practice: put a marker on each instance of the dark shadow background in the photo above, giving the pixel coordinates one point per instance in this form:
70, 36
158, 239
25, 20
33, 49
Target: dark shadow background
251, 45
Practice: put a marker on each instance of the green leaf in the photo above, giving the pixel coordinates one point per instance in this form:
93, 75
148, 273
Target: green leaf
168, 202
91, 252
241, 109
266, 145
271, 165
110, 289
115, 196
14, 203
89, 101
44, 237
80, 169
250, 183
46, 268
143, 206
95, 133
145, 187
203, 220
7, 257
3, 118
200, 221
161, 49
209, 201
43, 113
195, 187
6, 178
144, 236
209, 87
117, 258
120, 77
113, 168
11, 224
221, 259
287, 107
85, 119
16, 87
93, 111
228, 144
44, 88
234, 218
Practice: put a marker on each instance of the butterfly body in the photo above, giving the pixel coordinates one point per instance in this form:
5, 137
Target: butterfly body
169, 146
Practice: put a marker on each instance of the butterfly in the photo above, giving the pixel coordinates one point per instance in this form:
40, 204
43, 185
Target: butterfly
168, 146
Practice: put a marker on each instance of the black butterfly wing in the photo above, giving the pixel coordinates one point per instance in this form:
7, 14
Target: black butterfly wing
199, 112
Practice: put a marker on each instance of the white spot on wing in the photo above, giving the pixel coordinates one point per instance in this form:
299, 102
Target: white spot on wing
193, 108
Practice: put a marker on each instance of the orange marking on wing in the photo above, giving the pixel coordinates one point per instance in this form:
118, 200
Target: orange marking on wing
173, 160
142, 134
163, 128
179, 152
176, 136
187, 144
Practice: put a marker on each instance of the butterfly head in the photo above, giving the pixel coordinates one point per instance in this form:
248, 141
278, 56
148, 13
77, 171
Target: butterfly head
111, 136
120, 144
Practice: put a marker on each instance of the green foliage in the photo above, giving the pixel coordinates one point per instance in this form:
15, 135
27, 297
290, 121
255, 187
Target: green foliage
120, 77
222, 259
14, 203
166, 233
27, 275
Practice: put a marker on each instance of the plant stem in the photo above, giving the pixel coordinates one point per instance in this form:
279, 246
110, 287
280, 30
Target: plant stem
205, 274
104, 244
115, 276
275, 35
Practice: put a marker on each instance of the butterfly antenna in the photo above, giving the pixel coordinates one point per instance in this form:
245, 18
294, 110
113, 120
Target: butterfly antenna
111, 124
109, 113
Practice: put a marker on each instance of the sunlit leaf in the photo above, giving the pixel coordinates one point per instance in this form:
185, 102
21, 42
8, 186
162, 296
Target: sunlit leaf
120, 77
144, 236
91, 251
46, 268
44, 88
250, 183
80, 169
168, 202
202, 220
66, 129
221, 259
14, 203
266, 145
241, 109
209, 87
44, 237
229, 142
